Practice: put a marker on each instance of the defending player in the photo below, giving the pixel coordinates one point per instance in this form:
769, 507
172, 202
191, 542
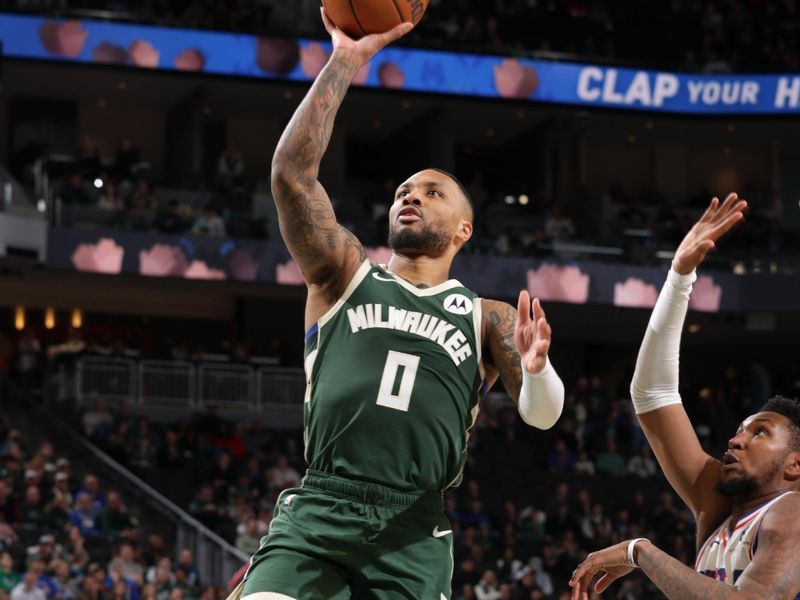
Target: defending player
396, 357
747, 505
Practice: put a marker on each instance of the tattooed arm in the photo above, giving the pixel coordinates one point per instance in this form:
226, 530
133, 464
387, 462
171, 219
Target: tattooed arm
517, 352
771, 575
326, 253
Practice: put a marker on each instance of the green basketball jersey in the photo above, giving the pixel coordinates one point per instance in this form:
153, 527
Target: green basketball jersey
393, 376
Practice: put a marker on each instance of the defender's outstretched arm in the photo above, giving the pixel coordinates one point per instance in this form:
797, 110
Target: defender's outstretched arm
654, 389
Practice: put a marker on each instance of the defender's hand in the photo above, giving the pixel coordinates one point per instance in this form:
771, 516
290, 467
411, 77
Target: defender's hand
715, 222
368, 46
531, 336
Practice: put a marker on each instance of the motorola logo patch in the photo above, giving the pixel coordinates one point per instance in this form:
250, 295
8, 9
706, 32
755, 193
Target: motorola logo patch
458, 304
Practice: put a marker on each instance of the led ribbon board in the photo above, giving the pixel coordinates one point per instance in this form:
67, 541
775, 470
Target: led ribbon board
401, 68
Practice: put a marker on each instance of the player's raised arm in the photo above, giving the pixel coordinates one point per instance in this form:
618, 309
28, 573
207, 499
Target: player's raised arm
326, 253
654, 389
517, 352
772, 574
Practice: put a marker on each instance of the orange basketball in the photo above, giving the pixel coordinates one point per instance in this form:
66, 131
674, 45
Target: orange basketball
358, 18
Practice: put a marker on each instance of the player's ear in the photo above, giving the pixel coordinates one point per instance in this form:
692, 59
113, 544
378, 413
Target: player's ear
792, 470
464, 232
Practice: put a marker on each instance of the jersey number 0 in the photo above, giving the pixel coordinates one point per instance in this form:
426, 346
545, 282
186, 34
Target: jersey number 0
394, 394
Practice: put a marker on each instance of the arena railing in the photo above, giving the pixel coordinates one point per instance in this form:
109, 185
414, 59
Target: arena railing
215, 559
166, 382
231, 386
113, 378
186, 384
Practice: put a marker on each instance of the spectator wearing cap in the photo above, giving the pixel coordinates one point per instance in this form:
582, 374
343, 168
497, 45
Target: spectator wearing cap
84, 516
8, 577
27, 589
61, 487
45, 550
63, 467
33, 477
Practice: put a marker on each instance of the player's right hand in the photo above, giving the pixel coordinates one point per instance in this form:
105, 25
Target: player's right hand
715, 222
369, 45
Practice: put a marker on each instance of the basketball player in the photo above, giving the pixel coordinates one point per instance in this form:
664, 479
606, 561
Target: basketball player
747, 504
396, 359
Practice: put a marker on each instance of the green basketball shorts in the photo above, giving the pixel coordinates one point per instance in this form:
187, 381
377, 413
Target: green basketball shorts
334, 538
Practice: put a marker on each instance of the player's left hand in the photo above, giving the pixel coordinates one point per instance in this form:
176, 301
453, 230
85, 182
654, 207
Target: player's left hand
531, 336
612, 562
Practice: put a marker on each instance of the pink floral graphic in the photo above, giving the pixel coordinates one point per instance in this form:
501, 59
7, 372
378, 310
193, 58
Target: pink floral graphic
103, 257
635, 293
559, 284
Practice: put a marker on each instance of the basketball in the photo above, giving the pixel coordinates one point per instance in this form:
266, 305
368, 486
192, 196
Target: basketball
358, 18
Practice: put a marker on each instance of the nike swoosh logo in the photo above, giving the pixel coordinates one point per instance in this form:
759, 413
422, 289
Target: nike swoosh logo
381, 278
438, 534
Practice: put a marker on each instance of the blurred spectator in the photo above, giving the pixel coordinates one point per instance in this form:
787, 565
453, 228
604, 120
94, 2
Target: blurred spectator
84, 515
27, 589
127, 158
8, 577
91, 486
209, 224
110, 199
584, 464
249, 540
560, 458
643, 465
487, 588
57, 511
169, 219
97, 421
126, 564
89, 159
230, 169
75, 191
283, 475
611, 461
559, 225
65, 584
115, 521
33, 514
186, 562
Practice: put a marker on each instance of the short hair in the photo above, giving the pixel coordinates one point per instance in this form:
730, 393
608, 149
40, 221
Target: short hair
789, 408
461, 187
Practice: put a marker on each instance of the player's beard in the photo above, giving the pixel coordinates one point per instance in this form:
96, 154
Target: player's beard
739, 489
746, 487
414, 242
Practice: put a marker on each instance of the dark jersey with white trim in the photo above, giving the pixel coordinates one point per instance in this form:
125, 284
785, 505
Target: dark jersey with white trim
393, 376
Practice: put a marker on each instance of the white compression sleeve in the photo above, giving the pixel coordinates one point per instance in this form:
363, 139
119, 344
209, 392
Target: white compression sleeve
541, 398
655, 381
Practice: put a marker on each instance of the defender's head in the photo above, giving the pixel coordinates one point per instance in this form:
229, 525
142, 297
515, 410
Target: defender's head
431, 215
764, 455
